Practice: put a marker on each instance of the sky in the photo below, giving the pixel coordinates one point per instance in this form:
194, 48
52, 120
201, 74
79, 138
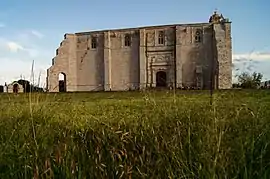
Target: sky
33, 30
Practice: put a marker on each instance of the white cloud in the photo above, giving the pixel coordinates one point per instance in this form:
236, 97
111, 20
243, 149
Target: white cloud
258, 61
37, 34
253, 56
14, 47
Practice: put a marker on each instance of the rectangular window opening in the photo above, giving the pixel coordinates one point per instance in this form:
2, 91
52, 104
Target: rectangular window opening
94, 42
161, 37
127, 40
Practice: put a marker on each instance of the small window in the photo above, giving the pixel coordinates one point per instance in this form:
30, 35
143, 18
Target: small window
161, 37
94, 42
53, 61
198, 36
57, 52
127, 40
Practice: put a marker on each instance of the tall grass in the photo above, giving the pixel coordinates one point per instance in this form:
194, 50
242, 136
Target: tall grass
135, 135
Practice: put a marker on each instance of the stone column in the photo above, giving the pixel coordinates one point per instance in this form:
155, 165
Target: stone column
223, 55
107, 61
171, 75
72, 63
178, 61
153, 77
142, 59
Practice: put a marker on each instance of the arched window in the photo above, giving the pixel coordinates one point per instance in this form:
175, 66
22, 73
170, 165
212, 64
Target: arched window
198, 36
94, 42
127, 40
15, 88
161, 37
62, 82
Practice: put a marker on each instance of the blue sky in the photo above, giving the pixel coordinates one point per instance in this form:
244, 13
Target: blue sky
32, 29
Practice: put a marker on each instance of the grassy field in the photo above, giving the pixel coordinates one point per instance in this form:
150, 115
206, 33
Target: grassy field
135, 135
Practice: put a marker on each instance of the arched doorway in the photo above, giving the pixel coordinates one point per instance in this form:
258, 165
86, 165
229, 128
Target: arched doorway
161, 79
62, 82
15, 88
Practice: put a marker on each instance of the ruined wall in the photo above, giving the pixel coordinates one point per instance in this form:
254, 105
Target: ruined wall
121, 62
194, 55
187, 56
223, 54
90, 62
64, 62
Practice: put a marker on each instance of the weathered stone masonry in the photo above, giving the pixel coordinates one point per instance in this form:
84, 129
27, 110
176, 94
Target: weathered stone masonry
182, 55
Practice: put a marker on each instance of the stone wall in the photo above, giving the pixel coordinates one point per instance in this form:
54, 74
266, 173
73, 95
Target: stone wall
90, 62
223, 55
63, 63
124, 60
19, 86
193, 56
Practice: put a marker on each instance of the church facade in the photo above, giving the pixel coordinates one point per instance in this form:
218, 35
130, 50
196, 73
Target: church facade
195, 55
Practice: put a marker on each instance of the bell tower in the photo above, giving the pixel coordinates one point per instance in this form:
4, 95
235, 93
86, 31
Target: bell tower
222, 51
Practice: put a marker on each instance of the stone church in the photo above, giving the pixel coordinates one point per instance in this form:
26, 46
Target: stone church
197, 55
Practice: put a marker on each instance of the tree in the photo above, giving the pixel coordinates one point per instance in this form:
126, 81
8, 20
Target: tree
250, 81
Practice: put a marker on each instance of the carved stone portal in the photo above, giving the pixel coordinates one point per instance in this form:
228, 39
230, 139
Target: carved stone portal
160, 70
